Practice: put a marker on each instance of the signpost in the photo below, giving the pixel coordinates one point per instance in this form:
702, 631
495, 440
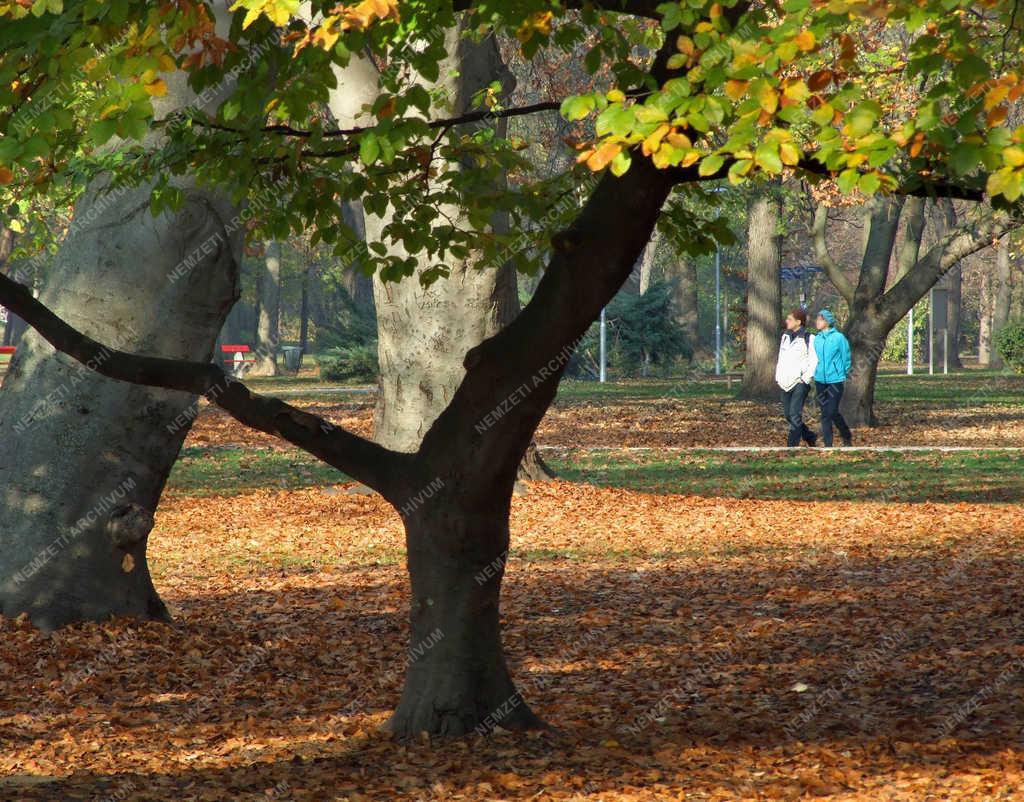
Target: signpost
800, 273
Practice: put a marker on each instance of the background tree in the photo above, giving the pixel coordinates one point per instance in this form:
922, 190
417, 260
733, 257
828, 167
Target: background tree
764, 297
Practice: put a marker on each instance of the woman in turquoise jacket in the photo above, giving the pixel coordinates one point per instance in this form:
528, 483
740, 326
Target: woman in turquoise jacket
833, 351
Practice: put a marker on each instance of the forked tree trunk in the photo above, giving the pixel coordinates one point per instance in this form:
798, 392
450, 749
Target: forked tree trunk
859, 393
85, 458
268, 331
764, 298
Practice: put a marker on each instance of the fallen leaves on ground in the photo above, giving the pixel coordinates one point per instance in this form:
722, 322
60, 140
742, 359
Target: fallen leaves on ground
681, 423
685, 648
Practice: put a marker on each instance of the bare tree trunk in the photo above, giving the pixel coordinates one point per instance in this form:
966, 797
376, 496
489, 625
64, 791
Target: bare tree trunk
684, 299
764, 298
268, 332
1001, 292
954, 313
304, 310
985, 320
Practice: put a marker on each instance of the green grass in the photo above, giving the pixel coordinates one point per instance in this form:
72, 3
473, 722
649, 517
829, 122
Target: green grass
974, 387
806, 475
233, 471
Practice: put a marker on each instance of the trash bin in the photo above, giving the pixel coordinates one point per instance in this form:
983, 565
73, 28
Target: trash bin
292, 358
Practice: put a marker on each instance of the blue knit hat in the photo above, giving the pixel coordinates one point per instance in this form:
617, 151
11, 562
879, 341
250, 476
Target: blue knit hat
829, 317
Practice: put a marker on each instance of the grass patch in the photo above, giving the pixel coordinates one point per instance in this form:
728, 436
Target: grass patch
806, 475
234, 471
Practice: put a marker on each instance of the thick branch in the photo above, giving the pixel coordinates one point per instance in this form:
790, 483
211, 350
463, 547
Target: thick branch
959, 243
912, 237
359, 458
832, 268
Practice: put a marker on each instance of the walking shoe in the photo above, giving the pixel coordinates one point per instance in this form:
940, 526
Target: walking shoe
848, 441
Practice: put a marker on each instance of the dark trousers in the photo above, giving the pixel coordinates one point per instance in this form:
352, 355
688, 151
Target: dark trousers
793, 411
829, 396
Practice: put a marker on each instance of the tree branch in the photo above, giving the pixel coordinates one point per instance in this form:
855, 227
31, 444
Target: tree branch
833, 270
969, 237
638, 8
359, 458
444, 123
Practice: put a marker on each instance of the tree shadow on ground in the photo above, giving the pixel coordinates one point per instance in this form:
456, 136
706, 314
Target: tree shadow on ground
772, 675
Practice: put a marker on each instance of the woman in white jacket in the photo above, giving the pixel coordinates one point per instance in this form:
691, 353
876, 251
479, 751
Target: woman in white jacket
794, 374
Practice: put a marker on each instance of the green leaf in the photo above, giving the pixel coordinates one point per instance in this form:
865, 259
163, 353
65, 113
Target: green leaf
578, 107
767, 157
369, 148
621, 162
710, 165
869, 183
848, 180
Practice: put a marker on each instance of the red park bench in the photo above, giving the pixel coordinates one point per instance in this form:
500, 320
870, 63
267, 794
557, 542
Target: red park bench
239, 355
9, 351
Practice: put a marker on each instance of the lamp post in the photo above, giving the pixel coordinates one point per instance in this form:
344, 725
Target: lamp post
603, 349
718, 310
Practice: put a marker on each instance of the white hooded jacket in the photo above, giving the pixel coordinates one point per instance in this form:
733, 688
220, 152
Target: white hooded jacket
797, 359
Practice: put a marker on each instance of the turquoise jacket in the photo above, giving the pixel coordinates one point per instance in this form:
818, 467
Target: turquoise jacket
833, 352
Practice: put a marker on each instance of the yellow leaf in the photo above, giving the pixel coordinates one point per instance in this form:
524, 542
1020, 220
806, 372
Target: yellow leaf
789, 153
603, 156
1014, 156
690, 158
735, 89
128, 563
996, 95
653, 142
616, 96
805, 40
768, 98
157, 88
678, 140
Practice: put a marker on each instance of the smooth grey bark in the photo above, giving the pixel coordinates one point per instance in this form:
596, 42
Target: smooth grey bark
425, 332
1001, 294
85, 458
268, 332
764, 297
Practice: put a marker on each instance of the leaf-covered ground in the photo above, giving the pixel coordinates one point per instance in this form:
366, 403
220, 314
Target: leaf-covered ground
970, 409
686, 647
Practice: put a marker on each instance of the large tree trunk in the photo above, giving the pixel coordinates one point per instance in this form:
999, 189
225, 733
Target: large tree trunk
764, 298
87, 458
268, 332
1001, 292
457, 681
